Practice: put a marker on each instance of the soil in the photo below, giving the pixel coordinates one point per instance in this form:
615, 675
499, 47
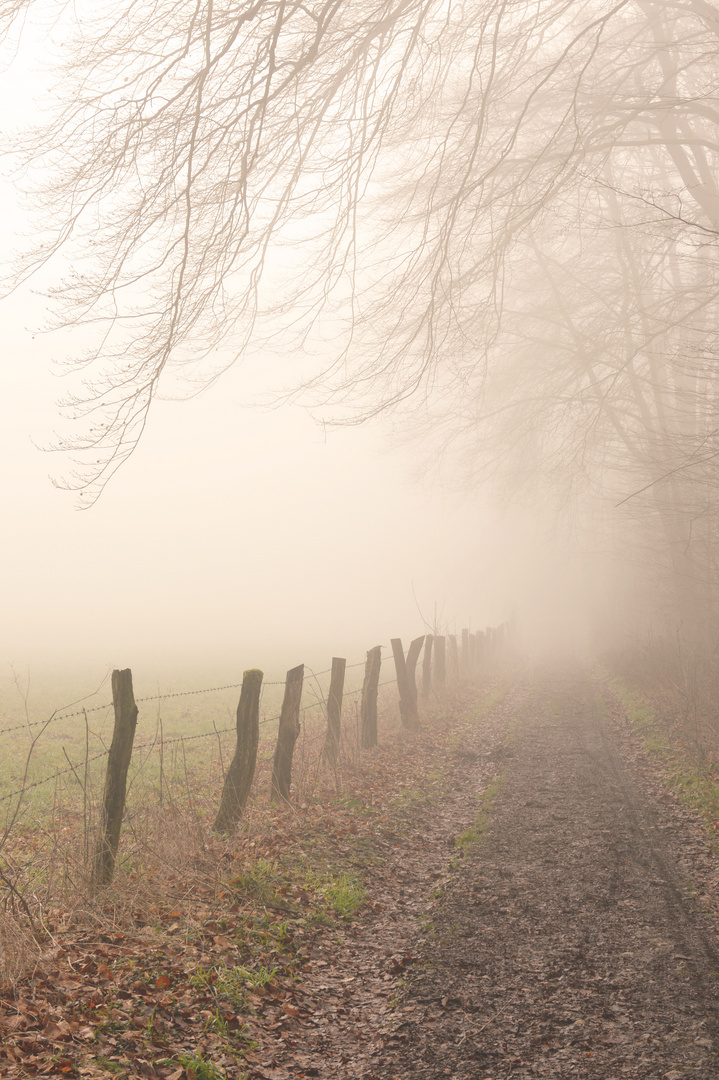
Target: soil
578, 938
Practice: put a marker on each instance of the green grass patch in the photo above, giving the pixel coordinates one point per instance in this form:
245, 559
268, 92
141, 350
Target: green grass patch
692, 778
233, 984
488, 704
475, 833
200, 1068
318, 893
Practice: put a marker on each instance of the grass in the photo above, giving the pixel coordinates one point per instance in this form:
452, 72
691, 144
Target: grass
176, 736
489, 703
200, 1068
221, 925
475, 833
694, 779
294, 884
233, 984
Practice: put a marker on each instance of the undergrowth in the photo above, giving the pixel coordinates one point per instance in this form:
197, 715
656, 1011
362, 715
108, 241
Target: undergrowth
687, 769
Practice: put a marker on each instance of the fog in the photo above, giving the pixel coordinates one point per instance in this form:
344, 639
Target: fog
444, 334
242, 536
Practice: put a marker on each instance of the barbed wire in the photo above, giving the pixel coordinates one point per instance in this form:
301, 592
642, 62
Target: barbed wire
181, 738
160, 742
53, 719
47, 779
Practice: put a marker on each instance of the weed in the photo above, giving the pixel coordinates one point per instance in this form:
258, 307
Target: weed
342, 894
261, 881
689, 775
233, 983
199, 1068
108, 1065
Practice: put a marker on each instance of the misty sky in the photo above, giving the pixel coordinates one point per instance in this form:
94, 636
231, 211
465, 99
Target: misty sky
235, 536
234, 531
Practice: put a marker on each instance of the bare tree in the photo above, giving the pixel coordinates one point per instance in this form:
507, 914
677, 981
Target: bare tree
510, 210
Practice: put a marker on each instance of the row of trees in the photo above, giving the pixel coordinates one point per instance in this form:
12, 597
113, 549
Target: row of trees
509, 209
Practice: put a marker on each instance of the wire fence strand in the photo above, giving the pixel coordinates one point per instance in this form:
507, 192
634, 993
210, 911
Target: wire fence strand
161, 743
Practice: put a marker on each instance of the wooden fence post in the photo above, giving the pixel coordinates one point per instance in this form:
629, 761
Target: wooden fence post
427, 667
440, 662
238, 780
334, 710
287, 735
465, 653
406, 679
453, 658
368, 710
479, 648
118, 762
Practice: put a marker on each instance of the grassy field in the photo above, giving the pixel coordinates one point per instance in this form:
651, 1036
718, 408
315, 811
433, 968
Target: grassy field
178, 730
53, 761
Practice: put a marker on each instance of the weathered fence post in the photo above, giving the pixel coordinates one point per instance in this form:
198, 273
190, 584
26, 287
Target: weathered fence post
118, 762
415, 648
368, 709
479, 649
334, 710
465, 653
453, 658
287, 735
238, 780
406, 679
440, 662
427, 666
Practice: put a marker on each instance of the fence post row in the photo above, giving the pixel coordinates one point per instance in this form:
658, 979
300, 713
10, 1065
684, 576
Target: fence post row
118, 763
427, 666
334, 710
238, 780
287, 735
368, 708
475, 650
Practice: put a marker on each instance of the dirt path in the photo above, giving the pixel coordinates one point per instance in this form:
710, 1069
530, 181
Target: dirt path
573, 941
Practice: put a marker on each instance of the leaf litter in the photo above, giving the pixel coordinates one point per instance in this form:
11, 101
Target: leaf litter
566, 927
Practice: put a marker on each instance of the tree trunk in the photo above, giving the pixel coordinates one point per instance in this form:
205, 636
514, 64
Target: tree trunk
238, 780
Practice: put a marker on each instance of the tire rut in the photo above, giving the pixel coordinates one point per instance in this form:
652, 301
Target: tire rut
570, 944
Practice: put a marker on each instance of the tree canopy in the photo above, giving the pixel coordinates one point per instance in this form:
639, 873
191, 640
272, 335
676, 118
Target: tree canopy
506, 213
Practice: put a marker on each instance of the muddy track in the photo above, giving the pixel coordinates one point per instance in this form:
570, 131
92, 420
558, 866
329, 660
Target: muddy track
574, 940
